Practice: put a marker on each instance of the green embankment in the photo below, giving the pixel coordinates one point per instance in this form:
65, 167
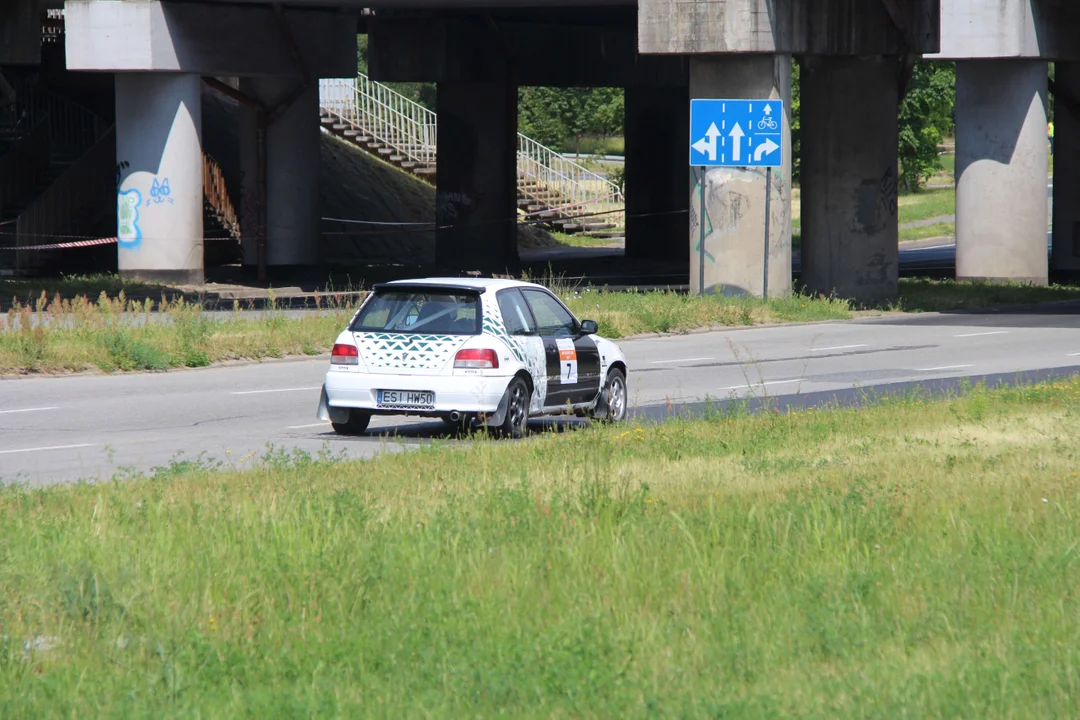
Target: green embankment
916, 559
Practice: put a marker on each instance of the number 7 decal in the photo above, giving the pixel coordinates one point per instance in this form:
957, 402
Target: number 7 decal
567, 362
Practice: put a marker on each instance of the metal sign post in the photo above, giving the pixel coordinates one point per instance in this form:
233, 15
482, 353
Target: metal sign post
739, 134
701, 227
768, 196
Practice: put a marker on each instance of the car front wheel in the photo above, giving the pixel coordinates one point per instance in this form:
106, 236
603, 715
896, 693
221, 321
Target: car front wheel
612, 405
355, 425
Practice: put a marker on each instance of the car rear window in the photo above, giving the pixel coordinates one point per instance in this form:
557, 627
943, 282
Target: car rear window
421, 312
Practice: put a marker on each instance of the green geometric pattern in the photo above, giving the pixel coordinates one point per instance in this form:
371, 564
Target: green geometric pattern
532, 358
403, 351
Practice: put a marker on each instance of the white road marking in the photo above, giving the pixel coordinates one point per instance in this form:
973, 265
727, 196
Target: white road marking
50, 447
1072, 354
280, 390
6, 412
838, 347
944, 367
932, 247
661, 362
981, 334
771, 382
301, 427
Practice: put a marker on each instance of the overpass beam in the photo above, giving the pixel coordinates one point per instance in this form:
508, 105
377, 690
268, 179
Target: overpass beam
476, 177
656, 204
735, 197
1065, 260
160, 196
849, 177
1001, 170
292, 176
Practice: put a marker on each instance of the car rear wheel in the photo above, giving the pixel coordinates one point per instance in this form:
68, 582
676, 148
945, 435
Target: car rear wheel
355, 425
612, 406
517, 410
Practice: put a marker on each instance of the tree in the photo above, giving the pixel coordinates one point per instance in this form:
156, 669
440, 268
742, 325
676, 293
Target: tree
926, 116
559, 117
796, 125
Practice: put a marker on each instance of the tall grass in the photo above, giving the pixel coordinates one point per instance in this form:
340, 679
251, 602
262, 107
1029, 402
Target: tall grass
917, 559
114, 334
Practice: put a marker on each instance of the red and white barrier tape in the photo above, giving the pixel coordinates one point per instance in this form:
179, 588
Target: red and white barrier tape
80, 243
64, 246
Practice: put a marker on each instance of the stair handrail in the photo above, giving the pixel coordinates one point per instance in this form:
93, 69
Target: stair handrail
72, 127
58, 210
380, 112
24, 164
216, 193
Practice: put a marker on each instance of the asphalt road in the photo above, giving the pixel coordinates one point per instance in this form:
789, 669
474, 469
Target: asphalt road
94, 427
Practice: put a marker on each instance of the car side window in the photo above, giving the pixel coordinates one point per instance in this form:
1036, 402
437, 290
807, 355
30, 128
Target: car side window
551, 317
515, 313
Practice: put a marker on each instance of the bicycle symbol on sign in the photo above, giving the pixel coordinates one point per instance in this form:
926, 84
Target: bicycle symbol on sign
767, 123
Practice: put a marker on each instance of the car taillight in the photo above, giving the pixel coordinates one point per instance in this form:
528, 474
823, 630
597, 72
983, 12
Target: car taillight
343, 354
476, 358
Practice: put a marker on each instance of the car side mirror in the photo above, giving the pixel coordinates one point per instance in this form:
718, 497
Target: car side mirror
588, 327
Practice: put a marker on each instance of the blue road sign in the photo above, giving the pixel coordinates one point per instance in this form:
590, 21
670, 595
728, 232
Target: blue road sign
736, 133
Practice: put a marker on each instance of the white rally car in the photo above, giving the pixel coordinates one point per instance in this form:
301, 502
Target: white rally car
493, 352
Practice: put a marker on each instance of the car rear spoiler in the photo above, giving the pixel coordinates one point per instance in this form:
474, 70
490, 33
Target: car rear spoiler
425, 287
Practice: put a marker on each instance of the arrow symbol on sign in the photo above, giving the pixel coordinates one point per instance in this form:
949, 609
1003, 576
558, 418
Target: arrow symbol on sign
764, 149
737, 135
707, 144
768, 109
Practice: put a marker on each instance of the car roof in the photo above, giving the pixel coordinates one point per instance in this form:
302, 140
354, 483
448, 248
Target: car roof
470, 282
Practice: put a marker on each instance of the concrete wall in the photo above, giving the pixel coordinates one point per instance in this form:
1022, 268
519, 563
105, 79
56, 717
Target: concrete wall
148, 35
1001, 164
1009, 29
160, 198
818, 27
543, 53
734, 257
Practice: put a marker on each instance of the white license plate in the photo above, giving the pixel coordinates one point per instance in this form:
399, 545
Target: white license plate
406, 399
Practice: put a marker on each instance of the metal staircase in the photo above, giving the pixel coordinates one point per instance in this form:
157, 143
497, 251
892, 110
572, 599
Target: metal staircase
552, 190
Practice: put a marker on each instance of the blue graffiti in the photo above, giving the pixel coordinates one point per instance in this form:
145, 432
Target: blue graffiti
128, 234
159, 193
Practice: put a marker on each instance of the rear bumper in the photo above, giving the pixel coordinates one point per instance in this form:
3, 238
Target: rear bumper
461, 394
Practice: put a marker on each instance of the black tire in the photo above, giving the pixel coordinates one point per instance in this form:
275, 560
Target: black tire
355, 425
611, 406
517, 410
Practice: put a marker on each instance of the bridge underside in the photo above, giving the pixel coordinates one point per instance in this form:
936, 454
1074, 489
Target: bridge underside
856, 57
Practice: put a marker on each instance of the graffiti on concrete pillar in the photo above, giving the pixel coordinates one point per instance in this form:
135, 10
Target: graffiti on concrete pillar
159, 193
452, 205
888, 192
696, 217
128, 234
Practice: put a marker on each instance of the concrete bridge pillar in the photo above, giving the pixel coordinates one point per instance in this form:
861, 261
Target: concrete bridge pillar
1001, 170
292, 176
476, 176
849, 177
1065, 260
159, 159
656, 218
735, 197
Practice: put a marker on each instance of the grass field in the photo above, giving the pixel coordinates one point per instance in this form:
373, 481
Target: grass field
116, 334
119, 334
916, 559
912, 207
